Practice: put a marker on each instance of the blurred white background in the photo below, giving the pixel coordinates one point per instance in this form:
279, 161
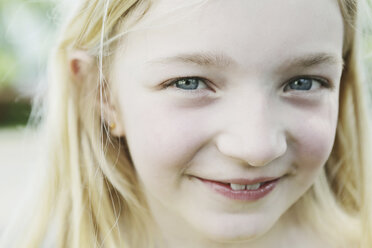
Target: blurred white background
20, 162
27, 32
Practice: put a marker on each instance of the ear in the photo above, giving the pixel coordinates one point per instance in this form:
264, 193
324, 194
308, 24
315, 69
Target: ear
81, 65
111, 114
84, 70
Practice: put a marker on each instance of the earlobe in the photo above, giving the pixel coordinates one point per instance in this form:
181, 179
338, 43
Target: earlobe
112, 121
116, 130
111, 115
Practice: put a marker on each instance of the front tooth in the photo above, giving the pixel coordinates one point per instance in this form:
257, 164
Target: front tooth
237, 186
253, 186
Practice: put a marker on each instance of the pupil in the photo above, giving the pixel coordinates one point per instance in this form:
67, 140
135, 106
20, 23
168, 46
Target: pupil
301, 84
188, 84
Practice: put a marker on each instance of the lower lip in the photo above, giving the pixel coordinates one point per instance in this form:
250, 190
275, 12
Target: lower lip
242, 195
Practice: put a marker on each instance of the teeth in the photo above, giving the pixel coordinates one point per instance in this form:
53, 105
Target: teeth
244, 187
253, 186
237, 186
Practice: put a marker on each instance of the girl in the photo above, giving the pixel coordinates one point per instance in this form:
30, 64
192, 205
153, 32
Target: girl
207, 124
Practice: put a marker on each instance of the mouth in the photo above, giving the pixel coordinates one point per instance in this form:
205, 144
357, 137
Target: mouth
242, 189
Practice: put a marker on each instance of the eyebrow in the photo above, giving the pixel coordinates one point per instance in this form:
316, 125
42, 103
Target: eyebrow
314, 59
200, 59
223, 60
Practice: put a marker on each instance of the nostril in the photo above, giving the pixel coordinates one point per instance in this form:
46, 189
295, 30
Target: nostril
250, 152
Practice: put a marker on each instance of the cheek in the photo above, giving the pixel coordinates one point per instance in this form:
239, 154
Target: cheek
162, 140
313, 141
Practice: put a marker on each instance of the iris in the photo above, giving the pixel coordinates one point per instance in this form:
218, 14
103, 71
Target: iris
187, 83
301, 84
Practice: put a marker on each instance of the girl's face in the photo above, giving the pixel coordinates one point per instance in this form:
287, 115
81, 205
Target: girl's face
229, 92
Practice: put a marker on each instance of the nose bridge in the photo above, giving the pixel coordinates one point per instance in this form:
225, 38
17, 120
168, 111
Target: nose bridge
252, 131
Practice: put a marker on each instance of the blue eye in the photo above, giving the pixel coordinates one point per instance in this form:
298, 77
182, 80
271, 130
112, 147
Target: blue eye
191, 83
305, 84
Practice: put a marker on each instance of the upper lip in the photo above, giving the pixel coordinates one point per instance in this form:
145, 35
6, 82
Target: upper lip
244, 181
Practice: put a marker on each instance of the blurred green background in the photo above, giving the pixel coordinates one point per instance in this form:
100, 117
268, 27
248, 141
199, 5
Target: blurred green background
27, 29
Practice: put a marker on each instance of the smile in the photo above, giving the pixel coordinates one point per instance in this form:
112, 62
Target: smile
243, 190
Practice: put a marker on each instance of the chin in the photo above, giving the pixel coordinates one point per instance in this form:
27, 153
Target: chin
241, 230
235, 236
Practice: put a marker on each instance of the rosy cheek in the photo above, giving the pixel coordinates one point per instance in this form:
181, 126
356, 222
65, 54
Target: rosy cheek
167, 137
314, 140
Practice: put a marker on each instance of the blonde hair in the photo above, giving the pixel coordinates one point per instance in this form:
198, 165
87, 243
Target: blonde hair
91, 186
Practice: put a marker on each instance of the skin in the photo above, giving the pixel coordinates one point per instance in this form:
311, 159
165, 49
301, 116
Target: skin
242, 120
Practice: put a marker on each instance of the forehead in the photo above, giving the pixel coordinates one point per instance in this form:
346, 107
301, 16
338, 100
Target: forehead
253, 32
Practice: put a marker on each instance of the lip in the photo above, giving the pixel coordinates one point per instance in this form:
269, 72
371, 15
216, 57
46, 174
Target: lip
223, 188
246, 181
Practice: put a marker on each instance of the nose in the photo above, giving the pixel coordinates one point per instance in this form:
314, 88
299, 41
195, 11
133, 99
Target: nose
253, 134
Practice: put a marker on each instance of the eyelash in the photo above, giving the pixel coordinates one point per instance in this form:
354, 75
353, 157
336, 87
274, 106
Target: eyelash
322, 82
194, 92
